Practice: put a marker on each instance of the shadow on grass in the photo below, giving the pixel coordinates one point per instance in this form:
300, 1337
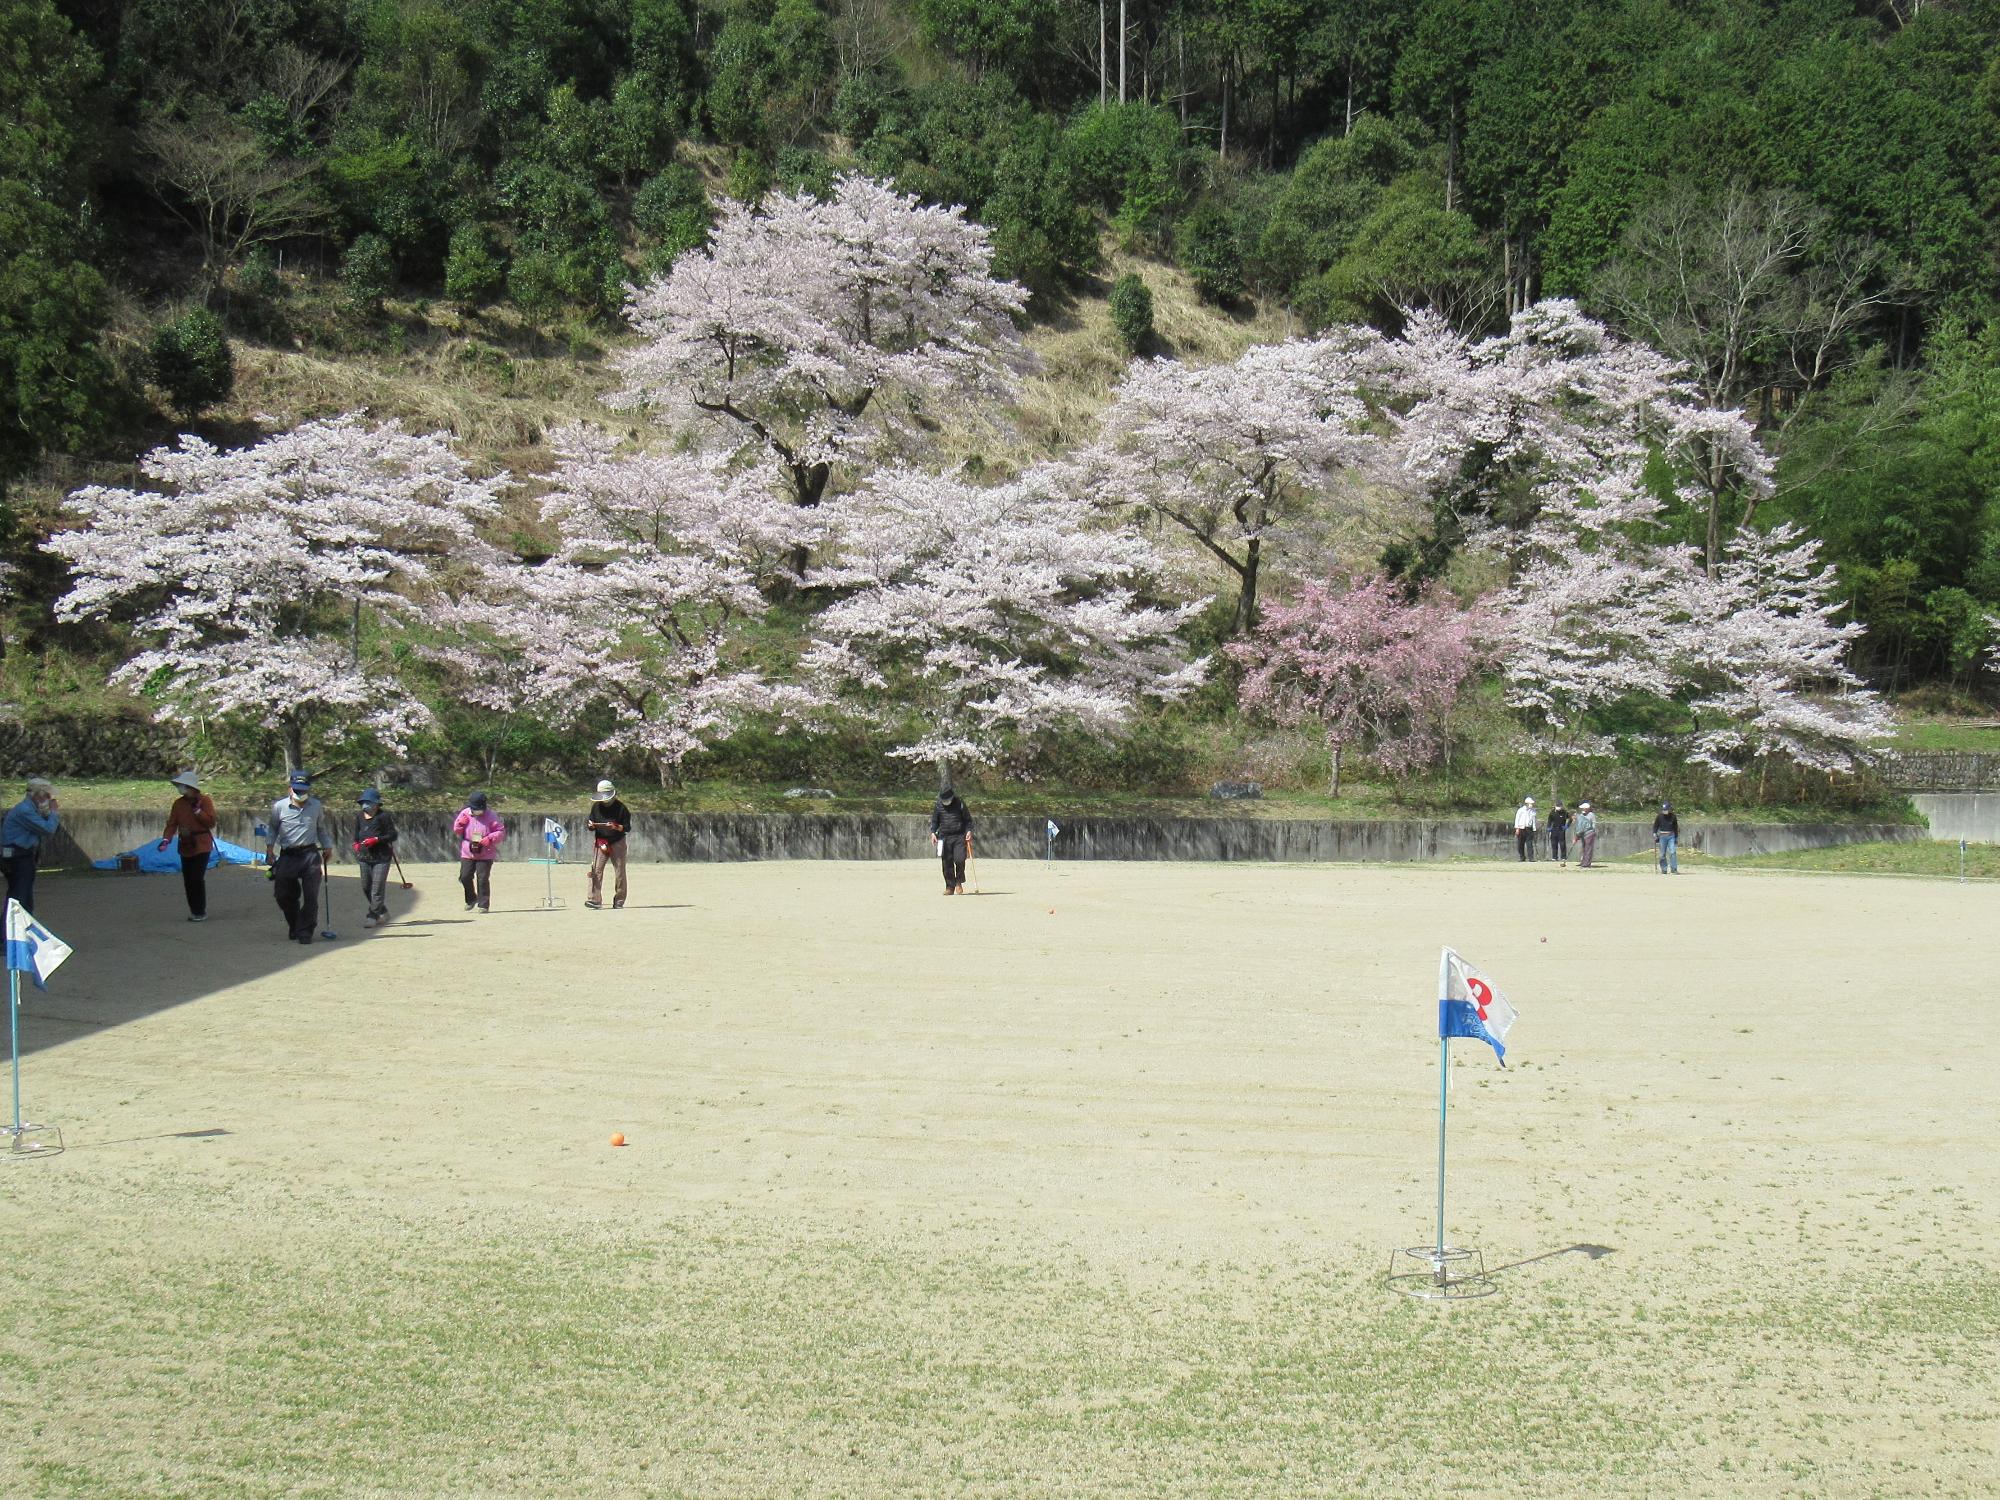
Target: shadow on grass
135, 954
1590, 1252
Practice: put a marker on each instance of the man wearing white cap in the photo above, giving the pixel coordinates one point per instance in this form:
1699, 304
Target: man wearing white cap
610, 820
1586, 833
191, 825
26, 824
1524, 829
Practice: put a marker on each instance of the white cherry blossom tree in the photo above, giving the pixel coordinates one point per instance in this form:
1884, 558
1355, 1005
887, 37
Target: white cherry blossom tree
635, 623
815, 333
265, 584
1239, 456
979, 617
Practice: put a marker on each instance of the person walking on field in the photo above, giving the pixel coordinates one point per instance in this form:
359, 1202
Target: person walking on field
1586, 835
951, 826
191, 821
1524, 830
1667, 838
26, 824
374, 848
478, 832
609, 821
1559, 834
298, 854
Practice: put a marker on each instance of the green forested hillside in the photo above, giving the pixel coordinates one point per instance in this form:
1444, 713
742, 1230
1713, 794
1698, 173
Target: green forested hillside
227, 217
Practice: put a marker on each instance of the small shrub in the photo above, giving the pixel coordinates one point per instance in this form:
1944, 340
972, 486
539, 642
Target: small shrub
258, 275
674, 211
1210, 252
749, 178
191, 361
1132, 312
367, 273
473, 270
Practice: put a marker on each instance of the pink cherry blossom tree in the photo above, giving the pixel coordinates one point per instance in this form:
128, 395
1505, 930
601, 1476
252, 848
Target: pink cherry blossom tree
1767, 663
268, 584
814, 333
636, 622
1372, 670
979, 616
1241, 456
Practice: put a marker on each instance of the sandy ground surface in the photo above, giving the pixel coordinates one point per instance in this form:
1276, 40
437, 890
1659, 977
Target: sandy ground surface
1084, 1185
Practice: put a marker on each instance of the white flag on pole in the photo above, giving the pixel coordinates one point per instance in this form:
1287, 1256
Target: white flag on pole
31, 947
556, 834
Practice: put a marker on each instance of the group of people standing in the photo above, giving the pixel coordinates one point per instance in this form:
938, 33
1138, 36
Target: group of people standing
1583, 824
301, 847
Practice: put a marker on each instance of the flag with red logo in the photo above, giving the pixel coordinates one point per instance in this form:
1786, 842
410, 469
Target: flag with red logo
1471, 1006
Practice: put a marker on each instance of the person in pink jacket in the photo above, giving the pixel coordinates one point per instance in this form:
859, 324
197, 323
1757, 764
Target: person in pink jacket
478, 832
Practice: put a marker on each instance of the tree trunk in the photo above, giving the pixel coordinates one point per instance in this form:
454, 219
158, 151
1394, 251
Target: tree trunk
1103, 55
1222, 149
295, 746
1122, 35
1246, 596
1333, 769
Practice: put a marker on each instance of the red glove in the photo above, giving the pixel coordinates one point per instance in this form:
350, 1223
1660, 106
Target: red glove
370, 843
355, 847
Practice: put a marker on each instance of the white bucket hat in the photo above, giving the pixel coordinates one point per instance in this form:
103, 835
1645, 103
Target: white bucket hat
606, 789
1527, 801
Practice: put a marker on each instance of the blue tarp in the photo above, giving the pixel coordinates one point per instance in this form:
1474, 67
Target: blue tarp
153, 860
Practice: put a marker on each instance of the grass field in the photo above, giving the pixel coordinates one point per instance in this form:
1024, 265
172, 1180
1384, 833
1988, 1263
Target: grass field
1938, 858
1083, 1186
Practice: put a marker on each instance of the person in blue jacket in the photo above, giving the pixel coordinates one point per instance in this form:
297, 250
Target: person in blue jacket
27, 823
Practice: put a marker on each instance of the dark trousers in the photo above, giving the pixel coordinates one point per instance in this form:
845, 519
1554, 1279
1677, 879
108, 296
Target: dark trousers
1559, 843
20, 873
296, 886
954, 861
1524, 843
194, 880
476, 876
375, 887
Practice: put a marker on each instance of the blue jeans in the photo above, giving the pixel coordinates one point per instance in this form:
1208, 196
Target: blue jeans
1670, 858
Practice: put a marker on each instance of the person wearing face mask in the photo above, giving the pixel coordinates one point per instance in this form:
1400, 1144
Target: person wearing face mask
478, 832
298, 853
26, 824
374, 846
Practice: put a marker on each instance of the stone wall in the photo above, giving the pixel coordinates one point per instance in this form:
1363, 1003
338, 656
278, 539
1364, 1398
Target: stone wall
1941, 771
704, 837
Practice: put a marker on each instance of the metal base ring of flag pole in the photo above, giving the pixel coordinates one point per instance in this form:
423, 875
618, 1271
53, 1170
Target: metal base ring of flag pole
28, 1142
1448, 1275
551, 901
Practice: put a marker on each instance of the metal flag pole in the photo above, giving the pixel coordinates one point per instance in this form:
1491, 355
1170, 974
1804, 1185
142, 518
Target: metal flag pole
1438, 1281
1444, 1092
14, 1040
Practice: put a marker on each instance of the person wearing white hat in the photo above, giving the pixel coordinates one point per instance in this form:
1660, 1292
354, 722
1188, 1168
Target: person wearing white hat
191, 825
26, 824
609, 821
1586, 834
1524, 830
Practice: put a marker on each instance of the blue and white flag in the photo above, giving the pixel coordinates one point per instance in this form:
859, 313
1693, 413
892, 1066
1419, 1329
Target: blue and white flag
1053, 830
1471, 1007
556, 834
31, 947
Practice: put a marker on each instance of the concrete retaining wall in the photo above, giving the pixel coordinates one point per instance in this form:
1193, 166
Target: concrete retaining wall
1973, 816
703, 837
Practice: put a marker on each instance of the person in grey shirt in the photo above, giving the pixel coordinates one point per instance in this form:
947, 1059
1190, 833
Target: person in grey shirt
299, 851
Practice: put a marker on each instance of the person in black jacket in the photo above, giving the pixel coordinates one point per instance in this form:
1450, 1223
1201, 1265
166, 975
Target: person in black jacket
1559, 833
374, 847
609, 821
951, 826
1667, 838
